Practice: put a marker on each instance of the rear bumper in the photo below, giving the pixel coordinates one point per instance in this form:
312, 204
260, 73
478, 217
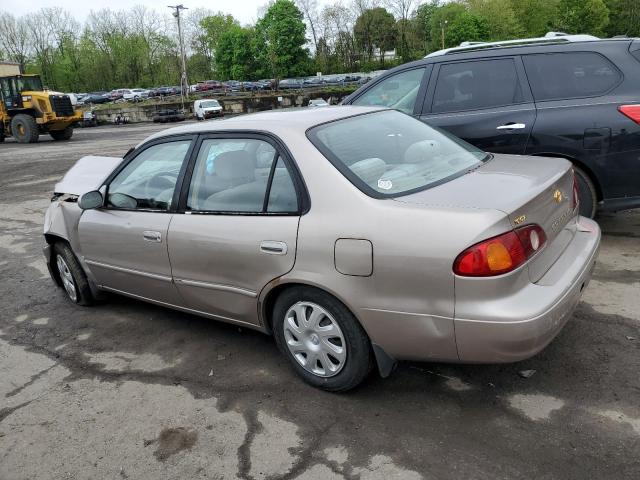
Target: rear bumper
529, 325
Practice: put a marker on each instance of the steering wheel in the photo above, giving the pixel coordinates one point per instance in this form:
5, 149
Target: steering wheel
159, 183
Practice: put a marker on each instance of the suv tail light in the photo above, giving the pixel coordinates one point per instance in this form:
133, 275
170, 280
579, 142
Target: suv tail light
501, 254
631, 111
576, 200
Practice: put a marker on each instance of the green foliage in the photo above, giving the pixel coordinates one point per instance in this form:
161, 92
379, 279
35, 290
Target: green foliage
375, 29
536, 17
583, 16
235, 54
280, 40
624, 17
499, 18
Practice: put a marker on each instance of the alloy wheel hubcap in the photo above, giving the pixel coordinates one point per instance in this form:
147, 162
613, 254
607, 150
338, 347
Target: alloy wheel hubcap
315, 339
67, 279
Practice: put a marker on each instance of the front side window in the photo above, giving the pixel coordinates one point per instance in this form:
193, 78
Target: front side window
242, 176
388, 153
476, 85
398, 91
555, 76
149, 180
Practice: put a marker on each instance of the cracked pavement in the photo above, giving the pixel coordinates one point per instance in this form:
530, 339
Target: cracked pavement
131, 390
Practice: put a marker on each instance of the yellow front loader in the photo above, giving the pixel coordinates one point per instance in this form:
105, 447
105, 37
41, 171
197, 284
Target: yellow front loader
27, 110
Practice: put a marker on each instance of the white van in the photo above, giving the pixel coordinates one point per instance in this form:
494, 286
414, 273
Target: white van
207, 108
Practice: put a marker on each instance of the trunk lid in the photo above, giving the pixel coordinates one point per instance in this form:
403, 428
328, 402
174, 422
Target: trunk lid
529, 190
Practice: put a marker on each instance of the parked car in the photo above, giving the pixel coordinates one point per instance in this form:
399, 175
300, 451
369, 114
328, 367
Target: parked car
573, 97
96, 98
207, 108
318, 102
168, 115
232, 86
251, 86
117, 94
290, 83
314, 82
435, 250
209, 85
135, 94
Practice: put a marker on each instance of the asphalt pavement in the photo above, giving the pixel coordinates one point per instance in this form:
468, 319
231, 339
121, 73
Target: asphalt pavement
131, 390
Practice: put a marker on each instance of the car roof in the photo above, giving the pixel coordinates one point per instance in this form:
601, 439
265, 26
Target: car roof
299, 119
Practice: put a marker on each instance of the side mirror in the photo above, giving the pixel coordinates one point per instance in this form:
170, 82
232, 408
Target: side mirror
90, 200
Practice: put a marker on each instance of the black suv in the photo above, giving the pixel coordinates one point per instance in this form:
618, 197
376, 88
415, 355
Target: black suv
575, 97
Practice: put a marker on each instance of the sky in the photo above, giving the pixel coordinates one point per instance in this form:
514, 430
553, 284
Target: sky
246, 11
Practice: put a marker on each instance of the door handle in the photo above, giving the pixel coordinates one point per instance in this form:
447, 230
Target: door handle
152, 236
273, 247
512, 126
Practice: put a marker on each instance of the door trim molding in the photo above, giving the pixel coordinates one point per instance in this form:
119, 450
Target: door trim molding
216, 286
131, 271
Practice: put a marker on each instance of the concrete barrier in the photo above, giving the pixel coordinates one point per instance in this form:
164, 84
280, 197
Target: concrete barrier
232, 104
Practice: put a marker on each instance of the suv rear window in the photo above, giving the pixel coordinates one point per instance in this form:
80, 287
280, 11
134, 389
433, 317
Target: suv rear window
388, 153
556, 76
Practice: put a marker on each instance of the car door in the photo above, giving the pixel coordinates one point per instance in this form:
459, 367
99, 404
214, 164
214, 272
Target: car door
486, 102
239, 228
124, 243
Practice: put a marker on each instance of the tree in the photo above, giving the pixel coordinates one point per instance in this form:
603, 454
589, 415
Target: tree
452, 24
235, 55
499, 17
375, 28
280, 40
536, 17
419, 35
309, 9
624, 16
16, 41
583, 16
213, 28
402, 10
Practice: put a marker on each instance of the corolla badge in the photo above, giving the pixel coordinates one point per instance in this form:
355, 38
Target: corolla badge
557, 196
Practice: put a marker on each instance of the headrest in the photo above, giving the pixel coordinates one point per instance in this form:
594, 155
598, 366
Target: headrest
421, 151
369, 169
466, 84
235, 164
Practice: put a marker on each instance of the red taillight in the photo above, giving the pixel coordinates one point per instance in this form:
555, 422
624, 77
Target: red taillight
576, 201
631, 111
501, 254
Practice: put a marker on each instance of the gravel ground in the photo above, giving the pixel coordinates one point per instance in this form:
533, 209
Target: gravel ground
130, 390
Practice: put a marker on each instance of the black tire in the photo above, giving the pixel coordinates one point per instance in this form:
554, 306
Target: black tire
1, 133
83, 295
24, 128
359, 356
65, 134
587, 194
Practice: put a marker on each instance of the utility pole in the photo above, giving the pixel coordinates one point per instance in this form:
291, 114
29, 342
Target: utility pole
184, 83
442, 27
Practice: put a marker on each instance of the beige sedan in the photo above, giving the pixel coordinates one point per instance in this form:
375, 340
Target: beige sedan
357, 236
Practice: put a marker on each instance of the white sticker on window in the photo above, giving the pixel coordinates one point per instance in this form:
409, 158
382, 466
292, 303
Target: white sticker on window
385, 184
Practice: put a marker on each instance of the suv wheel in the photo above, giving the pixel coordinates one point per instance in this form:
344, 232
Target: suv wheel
322, 340
587, 194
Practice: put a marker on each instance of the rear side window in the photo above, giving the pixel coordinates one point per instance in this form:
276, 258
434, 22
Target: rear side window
398, 91
556, 76
476, 85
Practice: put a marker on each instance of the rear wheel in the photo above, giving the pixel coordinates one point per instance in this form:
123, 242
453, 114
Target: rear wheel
322, 339
73, 279
587, 194
24, 128
65, 134
1, 132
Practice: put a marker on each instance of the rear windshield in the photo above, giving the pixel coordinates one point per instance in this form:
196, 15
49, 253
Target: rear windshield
388, 153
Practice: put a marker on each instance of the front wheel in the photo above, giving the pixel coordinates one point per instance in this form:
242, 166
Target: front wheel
322, 339
72, 278
59, 135
587, 195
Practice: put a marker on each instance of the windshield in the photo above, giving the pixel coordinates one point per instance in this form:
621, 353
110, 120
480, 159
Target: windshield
388, 153
209, 104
